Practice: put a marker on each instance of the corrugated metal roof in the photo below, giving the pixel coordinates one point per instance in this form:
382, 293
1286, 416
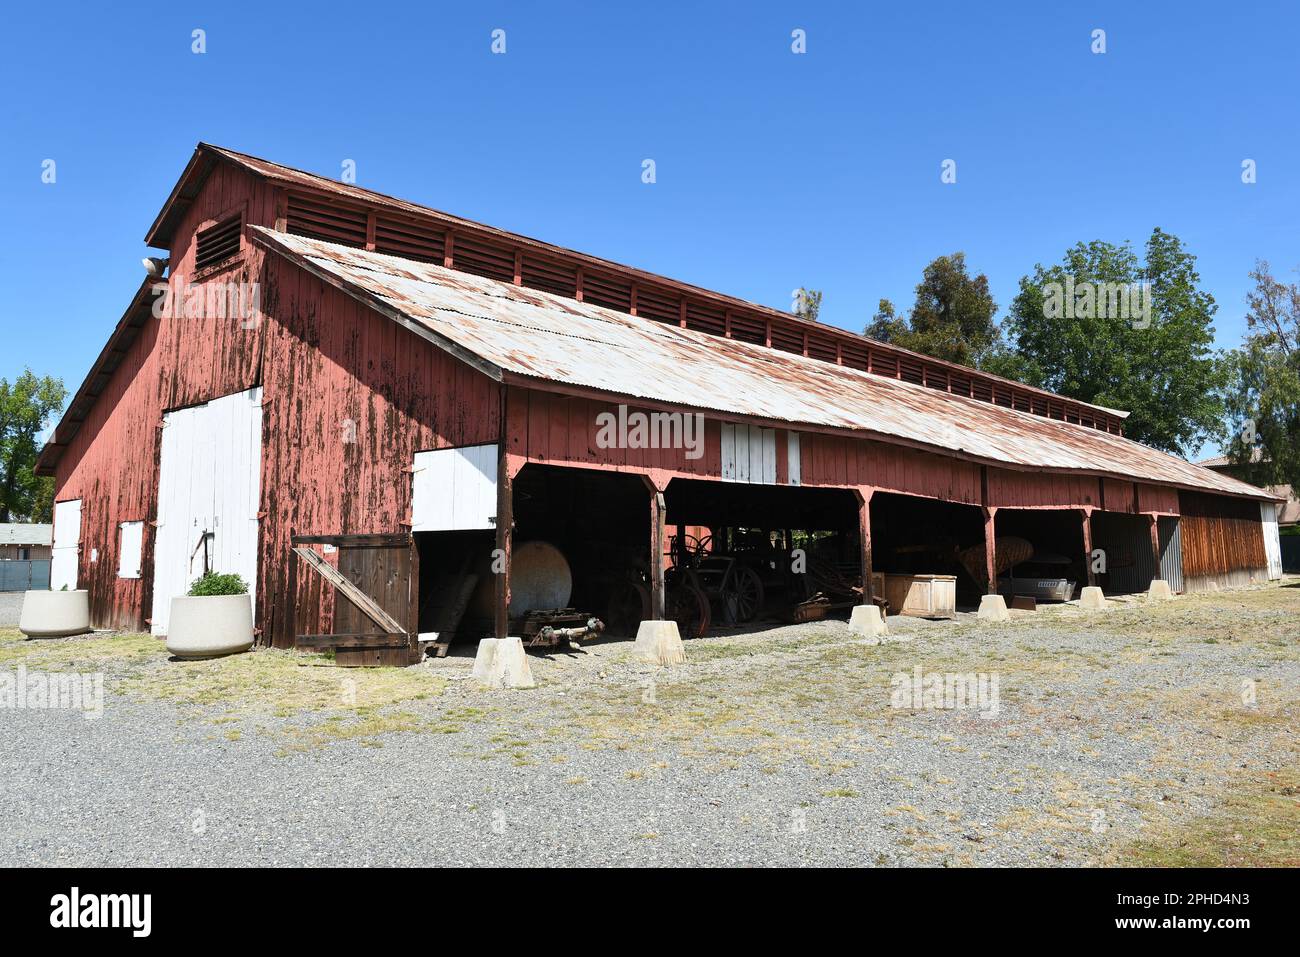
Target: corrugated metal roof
26, 533
207, 154
557, 340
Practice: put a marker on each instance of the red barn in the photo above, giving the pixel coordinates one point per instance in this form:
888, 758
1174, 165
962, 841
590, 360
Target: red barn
334, 370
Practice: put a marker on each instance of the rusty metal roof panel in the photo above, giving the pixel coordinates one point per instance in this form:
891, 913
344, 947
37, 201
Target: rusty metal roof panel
558, 340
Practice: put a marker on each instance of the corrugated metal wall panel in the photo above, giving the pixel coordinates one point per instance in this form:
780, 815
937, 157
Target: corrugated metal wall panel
1126, 540
1171, 551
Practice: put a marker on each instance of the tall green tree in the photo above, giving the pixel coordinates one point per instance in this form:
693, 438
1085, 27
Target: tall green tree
952, 317
1264, 397
26, 407
1106, 327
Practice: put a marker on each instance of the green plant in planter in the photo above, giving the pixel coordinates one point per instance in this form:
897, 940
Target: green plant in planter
213, 583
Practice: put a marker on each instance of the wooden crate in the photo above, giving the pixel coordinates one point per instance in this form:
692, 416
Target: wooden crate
922, 596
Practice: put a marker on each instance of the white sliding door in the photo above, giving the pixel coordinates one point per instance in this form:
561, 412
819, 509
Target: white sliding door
209, 484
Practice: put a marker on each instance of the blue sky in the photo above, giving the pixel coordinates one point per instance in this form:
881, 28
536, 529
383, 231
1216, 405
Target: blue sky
773, 169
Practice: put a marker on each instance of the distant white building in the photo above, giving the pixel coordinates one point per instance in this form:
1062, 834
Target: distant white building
25, 540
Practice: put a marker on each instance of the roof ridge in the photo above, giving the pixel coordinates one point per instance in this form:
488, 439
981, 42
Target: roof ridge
362, 194
1001, 430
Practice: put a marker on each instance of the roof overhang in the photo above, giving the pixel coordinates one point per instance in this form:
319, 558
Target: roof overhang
207, 156
529, 338
101, 372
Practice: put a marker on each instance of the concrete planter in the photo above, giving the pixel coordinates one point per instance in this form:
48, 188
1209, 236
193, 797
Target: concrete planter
209, 626
55, 614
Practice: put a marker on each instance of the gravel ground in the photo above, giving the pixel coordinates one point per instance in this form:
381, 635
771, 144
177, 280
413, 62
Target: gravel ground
777, 747
11, 606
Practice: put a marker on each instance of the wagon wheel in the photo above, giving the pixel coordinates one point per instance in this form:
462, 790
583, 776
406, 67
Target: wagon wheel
629, 605
743, 598
689, 607
688, 550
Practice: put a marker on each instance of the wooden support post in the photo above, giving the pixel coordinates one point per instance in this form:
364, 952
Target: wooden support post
413, 589
293, 600
505, 521
864, 540
991, 550
1154, 522
658, 515
1087, 545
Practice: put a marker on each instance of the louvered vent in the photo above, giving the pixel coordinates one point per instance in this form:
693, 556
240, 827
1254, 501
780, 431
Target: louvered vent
483, 259
787, 339
604, 291
821, 346
883, 363
327, 221
706, 319
408, 240
854, 354
748, 329
217, 243
549, 276
655, 305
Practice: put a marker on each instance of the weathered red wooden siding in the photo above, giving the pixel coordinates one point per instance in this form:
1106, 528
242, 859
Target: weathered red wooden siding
1010, 489
330, 361
321, 359
1119, 496
562, 430
1158, 498
1220, 535
111, 464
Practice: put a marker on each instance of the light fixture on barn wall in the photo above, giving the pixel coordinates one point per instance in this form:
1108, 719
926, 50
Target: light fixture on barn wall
155, 266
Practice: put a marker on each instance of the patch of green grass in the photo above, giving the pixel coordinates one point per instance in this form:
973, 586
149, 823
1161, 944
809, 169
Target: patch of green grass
1257, 825
356, 703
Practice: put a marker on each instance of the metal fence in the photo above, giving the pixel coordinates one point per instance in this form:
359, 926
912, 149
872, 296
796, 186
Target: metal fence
1290, 553
24, 575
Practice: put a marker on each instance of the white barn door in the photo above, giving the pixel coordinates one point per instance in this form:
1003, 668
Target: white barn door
1272, 539
65, 554
454, 489
209, 484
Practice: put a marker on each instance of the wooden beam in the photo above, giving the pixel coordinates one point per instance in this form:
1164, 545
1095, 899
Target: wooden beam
292, 630
864, 538
505, 521
1087, 545
353, 541
354, 641
658, 517
365, 604
1154, 523
991, 549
